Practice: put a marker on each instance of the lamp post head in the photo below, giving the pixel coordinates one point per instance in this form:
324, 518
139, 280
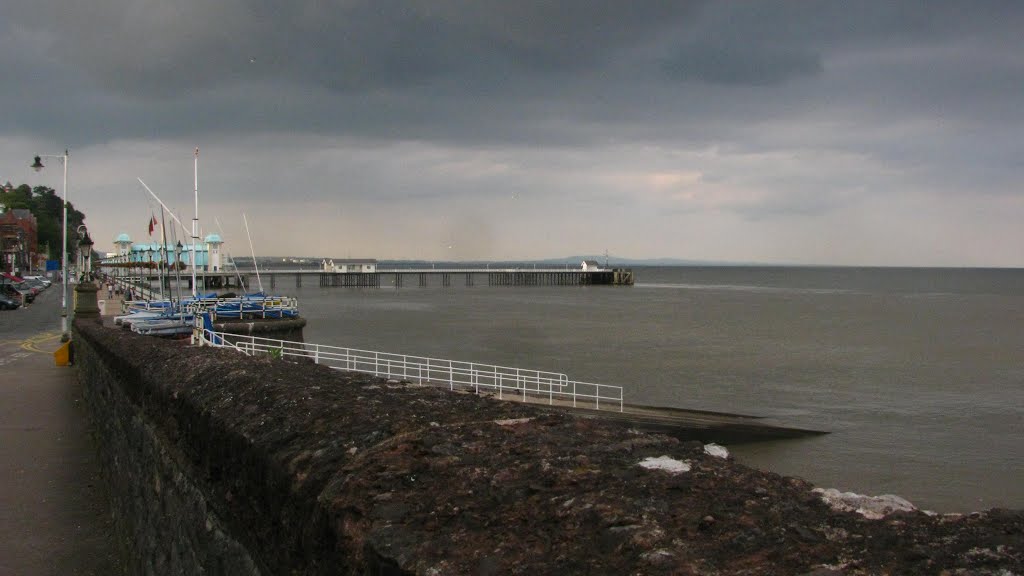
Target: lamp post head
85, 247
38, 164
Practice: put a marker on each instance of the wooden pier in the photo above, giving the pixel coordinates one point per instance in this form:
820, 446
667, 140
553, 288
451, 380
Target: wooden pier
473, 277
399, 278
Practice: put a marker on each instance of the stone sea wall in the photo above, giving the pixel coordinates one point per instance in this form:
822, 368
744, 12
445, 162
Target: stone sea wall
223, 464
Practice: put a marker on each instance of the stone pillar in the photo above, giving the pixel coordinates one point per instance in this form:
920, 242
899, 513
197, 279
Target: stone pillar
86, 307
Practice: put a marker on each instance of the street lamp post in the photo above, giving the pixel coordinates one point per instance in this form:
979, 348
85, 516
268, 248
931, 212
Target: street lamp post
18, 258
177, 268
37, 166
148, 263
86, 305
81, 251
85, 247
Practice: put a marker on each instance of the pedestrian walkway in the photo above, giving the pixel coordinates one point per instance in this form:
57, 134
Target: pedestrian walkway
54, 512
111, 306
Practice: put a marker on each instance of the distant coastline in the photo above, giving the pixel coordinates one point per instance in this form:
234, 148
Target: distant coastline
292, 262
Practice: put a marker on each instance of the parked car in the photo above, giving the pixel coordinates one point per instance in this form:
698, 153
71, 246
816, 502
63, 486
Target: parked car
8, 303
36, 283
22, 293
25, 286
43, 279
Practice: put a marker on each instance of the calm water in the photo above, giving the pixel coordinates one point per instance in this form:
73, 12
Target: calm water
918, 373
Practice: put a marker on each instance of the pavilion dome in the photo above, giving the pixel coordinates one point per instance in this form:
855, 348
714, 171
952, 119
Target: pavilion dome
122, 237
213, 238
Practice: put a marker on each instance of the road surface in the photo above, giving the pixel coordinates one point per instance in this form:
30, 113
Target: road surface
54, 515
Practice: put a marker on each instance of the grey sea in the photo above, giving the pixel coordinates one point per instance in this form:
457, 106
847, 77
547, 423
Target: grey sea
917, 373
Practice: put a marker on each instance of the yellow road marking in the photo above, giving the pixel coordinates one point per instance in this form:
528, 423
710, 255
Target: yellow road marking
32, 344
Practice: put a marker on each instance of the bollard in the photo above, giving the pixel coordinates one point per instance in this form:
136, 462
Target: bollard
62, 357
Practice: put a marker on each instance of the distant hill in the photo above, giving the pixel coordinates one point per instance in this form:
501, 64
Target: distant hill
618, 261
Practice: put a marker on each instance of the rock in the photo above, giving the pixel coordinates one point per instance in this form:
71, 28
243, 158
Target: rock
716, 451
670, 465
871, 507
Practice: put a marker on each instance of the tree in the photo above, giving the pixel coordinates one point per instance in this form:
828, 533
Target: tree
48, 208
20, 197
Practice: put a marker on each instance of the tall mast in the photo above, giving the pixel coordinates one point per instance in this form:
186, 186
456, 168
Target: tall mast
253, 252
162, 254
195, 224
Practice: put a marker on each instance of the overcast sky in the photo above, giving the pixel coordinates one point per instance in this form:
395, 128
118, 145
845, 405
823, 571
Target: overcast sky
877, 133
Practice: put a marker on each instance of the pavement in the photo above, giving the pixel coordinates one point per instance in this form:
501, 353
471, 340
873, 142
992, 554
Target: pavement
54, 512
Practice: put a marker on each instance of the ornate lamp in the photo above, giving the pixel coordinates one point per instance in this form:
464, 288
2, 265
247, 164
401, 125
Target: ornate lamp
85, 248
85, 291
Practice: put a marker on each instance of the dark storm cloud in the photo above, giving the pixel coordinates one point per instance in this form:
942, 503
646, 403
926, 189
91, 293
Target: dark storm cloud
165, 49
462, 70
906, 83
724, 64
374, 68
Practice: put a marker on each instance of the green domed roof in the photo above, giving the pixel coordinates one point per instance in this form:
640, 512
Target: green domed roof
214, 238
122, 237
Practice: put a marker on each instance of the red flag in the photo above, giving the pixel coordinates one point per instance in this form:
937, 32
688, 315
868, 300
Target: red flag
152, 224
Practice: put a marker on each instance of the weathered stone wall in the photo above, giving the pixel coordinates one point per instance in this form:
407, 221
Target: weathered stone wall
163, 517
224, 464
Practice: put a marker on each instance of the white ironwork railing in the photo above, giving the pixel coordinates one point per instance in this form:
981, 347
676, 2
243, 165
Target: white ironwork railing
527, 384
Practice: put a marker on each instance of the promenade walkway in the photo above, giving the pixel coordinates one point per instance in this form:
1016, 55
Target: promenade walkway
54, 514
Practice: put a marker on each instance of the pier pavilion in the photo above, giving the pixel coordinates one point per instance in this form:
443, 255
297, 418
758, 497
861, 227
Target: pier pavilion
148, 259
208, 254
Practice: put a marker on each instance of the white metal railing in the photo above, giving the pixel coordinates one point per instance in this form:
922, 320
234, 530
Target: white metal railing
505, 381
